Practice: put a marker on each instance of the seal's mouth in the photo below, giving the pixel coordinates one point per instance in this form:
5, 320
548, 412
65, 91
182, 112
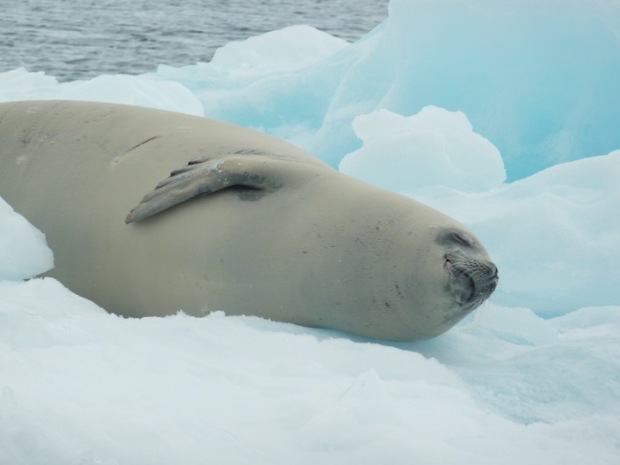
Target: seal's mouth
471, 280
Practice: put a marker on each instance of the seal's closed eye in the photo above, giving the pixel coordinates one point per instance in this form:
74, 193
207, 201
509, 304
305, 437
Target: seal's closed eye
456, 237
460, 238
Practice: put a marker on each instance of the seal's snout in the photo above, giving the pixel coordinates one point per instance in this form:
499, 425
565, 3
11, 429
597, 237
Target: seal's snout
492, 275
471, 280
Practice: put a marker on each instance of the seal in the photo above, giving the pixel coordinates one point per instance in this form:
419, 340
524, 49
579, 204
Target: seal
150, 212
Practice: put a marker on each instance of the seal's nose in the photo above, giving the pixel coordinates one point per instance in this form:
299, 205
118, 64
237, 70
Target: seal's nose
490, 279
472, 281
493, 274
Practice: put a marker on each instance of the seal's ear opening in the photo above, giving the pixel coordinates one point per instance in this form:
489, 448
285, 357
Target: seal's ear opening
198, 178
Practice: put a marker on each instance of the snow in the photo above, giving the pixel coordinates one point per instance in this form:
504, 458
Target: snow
503, 116
82, 386
23, 251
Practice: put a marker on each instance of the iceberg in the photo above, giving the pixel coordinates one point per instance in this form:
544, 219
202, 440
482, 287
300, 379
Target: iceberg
505, 116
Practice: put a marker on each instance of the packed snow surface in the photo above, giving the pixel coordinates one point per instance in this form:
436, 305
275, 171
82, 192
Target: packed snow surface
505, 115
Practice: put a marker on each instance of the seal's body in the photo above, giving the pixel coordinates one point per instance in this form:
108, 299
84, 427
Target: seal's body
232, 220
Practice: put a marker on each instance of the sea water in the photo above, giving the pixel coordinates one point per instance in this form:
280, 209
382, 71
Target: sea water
78, 39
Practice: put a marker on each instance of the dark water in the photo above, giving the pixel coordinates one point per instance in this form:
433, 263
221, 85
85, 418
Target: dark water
77, 39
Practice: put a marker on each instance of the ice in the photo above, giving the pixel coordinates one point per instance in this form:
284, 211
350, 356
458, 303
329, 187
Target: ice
23, 251
555, 235
504, 116
19, 84
538, 79
285, 49
433, 147
82, 386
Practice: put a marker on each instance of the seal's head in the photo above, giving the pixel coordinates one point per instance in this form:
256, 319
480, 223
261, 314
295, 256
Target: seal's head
472, 277
433, 277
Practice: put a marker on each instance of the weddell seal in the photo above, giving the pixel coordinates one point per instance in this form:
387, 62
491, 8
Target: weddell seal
149, 212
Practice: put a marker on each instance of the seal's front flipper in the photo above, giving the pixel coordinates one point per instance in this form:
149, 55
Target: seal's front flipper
206, 177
